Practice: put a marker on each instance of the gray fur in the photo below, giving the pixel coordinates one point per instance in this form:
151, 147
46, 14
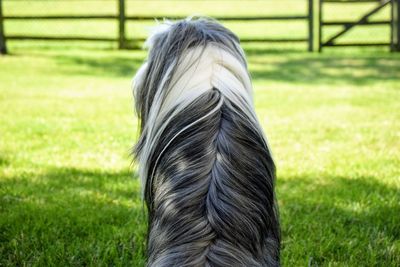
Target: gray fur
208, 174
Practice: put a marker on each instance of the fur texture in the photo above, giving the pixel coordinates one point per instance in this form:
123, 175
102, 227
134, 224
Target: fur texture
206, 169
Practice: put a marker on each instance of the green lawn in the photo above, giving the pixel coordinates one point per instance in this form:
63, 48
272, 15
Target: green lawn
69, 195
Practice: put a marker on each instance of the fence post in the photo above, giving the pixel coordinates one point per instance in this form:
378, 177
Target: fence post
310, 25
121, 19
319, 25
396, 21
3, 47
392, 25
395, 26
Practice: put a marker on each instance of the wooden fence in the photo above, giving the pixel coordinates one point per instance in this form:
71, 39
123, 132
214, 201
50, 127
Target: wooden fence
124, 42
122, 18
394, 24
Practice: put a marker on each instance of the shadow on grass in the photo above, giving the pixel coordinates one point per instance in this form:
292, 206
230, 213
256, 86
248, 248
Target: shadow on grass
4, 161
289, 66
347, 221
326, 69
70, 217
117, 66
264, 50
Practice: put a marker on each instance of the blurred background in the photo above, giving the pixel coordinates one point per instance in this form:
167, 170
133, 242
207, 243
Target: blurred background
326, 77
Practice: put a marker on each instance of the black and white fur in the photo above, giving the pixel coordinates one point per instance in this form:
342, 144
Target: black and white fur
205, 166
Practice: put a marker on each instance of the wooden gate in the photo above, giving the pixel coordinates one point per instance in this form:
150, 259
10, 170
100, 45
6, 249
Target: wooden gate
394, 43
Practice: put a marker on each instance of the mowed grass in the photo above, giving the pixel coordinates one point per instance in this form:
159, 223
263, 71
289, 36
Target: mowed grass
69, 195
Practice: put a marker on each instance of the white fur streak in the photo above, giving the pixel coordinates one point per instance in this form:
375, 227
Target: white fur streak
200, 69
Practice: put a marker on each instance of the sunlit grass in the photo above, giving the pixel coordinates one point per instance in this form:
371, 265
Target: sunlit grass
69, 195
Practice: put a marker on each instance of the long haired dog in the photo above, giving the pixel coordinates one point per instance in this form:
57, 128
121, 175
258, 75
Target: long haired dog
206, 169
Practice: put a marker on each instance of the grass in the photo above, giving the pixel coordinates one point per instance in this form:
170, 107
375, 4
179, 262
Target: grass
69, 196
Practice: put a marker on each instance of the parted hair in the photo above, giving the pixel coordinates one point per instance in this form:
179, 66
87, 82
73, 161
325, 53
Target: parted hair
206, 169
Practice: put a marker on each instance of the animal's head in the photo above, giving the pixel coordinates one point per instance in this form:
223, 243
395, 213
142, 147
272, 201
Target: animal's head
167, 47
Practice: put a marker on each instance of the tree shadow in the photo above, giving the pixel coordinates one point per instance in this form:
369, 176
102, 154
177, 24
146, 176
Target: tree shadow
271, 50
324, 69
81, 217
110, 66
95, 217
342, 220
266, 64
4, 161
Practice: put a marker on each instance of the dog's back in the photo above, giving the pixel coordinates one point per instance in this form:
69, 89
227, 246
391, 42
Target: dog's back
206, 168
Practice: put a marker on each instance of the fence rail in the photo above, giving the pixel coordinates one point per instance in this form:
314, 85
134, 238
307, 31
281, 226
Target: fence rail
142, 17
124, 42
